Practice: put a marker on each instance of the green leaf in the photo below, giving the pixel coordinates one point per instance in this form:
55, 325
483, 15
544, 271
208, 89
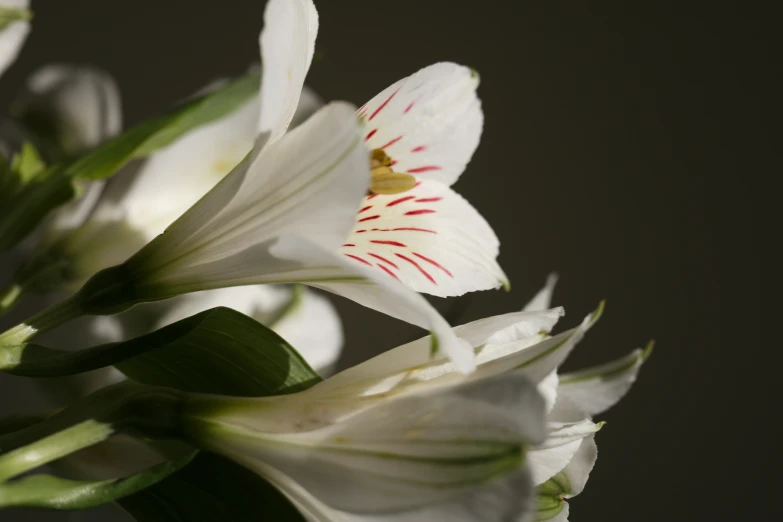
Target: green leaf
23, 213
228, 354
216, 351
252, 361
47, 491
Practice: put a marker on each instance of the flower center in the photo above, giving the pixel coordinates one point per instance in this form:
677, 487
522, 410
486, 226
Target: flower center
384, 179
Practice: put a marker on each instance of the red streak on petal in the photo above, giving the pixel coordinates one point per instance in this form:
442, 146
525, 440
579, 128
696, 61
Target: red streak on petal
389, 272
414, 229
409, 107
399, 200
433, 263
392, 243
417, 212
368, 218
348, 244
427, 200
358, 259
370, 134
392, 142
414, 263
384, 104
417, 184
419, 148
371, 196
376, 256
428, 168
393, 163
362, 230
368, 207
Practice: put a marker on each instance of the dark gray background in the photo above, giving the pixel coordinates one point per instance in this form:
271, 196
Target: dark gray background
630, 151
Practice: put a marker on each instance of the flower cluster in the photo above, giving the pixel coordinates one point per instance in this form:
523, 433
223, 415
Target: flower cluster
256, 196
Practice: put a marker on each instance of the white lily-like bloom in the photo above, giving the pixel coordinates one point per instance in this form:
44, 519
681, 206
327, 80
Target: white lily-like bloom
452, 453
14, 27
562, 464
516, 343
427, 125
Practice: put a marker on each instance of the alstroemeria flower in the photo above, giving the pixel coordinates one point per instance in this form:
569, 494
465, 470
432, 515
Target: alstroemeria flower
14, 27
515, 343
279, 217
438, 455
562, 464
427, 125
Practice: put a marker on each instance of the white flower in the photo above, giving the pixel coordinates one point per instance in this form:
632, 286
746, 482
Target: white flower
83, 102
562, 463
427, 125
453, 453
14, 26
279, 217
516, 343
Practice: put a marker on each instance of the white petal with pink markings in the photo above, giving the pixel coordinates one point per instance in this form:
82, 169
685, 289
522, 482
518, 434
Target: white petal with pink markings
429, 123
429, 238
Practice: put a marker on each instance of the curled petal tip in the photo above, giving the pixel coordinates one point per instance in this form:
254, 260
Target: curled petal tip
648, 350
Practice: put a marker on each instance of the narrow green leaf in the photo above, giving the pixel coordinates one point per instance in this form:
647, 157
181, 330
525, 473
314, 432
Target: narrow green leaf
47, 491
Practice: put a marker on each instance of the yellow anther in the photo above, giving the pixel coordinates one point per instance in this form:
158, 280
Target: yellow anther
384, 179
391, 182
378, 158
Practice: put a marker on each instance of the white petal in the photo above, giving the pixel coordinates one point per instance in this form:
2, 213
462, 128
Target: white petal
507, 500
174, 178
309, 183
405, 360
333, 273
307, 320
597, 389
562, 443
406, 454
548, 390
429, 123
13, 36
287, 46
540, 360
567, 483
138, 207
85, 102
543, 299
430, 238
578, 469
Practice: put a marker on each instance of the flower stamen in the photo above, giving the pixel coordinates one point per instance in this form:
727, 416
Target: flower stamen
384, 179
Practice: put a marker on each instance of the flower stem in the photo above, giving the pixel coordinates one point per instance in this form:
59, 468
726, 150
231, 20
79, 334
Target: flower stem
53, 447
52, 317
